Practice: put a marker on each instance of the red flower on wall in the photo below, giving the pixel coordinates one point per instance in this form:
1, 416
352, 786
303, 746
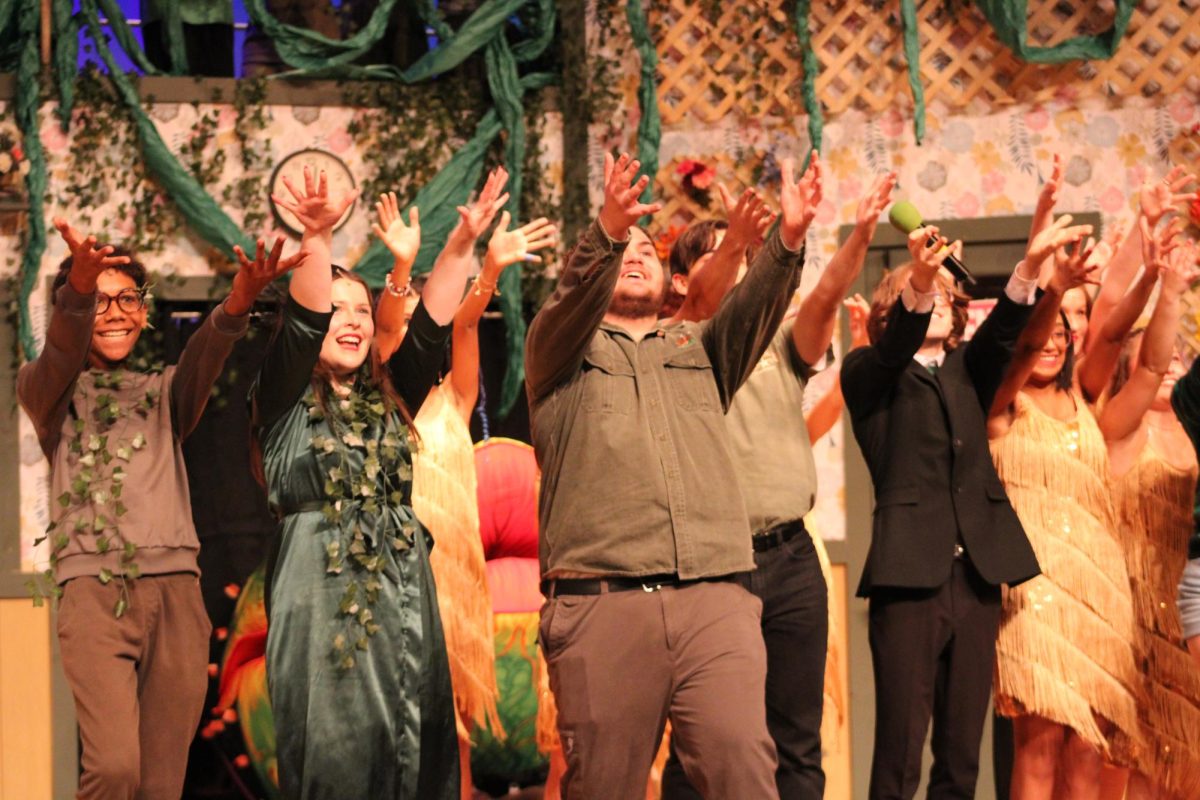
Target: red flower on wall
696, 178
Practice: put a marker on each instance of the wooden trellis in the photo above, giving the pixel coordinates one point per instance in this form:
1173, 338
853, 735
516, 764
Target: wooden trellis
747, 60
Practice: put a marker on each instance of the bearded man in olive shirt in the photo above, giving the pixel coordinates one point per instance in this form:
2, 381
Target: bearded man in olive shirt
642, 526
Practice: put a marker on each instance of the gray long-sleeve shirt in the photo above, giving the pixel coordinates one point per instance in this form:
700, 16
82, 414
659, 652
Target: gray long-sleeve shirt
1185, 399
118, 476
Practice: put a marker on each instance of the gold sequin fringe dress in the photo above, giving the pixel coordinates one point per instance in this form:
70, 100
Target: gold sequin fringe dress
1154, 503
1064, 650
444, 499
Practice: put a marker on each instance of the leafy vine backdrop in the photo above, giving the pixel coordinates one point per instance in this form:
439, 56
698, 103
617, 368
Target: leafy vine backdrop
394, 138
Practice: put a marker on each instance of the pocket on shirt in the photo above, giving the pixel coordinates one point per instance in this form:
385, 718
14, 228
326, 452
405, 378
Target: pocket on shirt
691, 380
608, 384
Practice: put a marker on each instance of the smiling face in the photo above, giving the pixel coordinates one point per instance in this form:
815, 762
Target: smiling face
641, 283
351, 330
1053, 356
116, 331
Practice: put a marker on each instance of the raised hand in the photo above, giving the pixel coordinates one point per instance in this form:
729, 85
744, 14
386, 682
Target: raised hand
1060, 233
1179, 271
859, 311
872, 204
1074, 266
313, 207
475, 218
748, 216
87, 260
508, 247
254, 276
403, 240
1157, 243
1159, 198
622, 189
927, 256
798, 200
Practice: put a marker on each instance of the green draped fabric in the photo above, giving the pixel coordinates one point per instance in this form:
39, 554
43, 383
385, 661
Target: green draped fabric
912, 54
27, 102
198, 207
812, 106
66, 57
1009, 18
649, 133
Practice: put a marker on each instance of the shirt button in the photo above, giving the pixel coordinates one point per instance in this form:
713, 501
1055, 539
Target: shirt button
958, 489
958, 443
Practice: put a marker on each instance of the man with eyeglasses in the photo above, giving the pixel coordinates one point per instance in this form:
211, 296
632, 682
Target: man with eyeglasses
132, 627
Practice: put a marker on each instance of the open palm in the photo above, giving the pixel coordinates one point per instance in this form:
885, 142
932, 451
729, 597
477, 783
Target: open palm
313, 207
403, 240
508, 247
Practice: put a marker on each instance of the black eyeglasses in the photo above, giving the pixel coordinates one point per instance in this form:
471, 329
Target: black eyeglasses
128, 300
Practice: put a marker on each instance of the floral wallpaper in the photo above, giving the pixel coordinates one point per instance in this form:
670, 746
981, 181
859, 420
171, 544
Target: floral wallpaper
969, 166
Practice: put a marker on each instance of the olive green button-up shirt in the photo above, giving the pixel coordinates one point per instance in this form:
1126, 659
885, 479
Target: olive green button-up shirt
637, 472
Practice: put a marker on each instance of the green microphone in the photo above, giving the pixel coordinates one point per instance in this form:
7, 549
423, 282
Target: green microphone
905, 218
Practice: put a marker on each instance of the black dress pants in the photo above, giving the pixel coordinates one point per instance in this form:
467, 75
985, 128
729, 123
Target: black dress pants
933, 652
795, 626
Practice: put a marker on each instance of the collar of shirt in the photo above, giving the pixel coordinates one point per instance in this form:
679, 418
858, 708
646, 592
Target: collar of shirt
926, 361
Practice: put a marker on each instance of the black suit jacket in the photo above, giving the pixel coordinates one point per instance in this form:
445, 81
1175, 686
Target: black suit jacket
924, 438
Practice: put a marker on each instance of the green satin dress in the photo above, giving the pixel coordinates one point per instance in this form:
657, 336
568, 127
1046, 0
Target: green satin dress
358, 678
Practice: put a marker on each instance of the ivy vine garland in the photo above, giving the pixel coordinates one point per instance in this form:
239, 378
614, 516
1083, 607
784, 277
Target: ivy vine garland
98, 455
362, 426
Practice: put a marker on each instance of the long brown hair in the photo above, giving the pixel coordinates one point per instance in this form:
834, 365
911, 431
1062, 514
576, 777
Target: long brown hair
887, 294
373, 371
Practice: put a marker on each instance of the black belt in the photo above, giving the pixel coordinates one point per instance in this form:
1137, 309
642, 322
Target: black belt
777, 534
648, 583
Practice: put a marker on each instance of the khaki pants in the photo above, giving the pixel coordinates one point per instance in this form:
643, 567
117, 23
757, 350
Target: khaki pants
139, 682
622, 663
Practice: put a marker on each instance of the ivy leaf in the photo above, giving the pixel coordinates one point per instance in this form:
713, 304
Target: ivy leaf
93, 443
119, 509
139, 441
129, 549
64, 499
106, 576
124, 453
133, 571
121, 607
80, 425
102, 544
88, 459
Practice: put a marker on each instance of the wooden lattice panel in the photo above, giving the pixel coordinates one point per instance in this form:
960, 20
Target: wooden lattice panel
681, 208
748, 60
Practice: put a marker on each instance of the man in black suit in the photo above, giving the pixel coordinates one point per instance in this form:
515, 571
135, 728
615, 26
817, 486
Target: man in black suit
945, 537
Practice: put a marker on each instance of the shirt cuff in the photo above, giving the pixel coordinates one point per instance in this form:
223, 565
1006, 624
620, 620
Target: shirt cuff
227, 323
918, 302
1022, 291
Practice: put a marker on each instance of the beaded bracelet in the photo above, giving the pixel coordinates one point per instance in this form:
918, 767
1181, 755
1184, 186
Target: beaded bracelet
395, 292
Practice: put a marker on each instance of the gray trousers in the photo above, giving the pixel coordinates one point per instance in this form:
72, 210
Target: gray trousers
622, 663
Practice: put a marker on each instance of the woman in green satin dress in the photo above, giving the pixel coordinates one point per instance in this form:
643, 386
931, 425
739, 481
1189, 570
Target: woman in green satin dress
356, 660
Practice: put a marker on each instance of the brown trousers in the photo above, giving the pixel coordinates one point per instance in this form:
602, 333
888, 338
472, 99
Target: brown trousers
139, 682
622, 663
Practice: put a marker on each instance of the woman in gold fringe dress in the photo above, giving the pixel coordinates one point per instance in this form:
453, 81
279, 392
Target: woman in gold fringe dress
1064, 662
444, 482
1155, 470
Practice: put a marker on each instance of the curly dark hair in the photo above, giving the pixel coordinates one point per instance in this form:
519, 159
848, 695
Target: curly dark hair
134, 269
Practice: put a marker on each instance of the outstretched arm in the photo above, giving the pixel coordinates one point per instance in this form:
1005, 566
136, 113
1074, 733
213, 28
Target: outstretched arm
1123, 413
45, 385
812, 330
738, 335
287, 367
749, 217
444, 288
828, 410
204, 356
1155, 201
1070, 268
505, 249
567, 321
404, 241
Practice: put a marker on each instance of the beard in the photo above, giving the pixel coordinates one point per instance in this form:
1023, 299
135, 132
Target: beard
636, 306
